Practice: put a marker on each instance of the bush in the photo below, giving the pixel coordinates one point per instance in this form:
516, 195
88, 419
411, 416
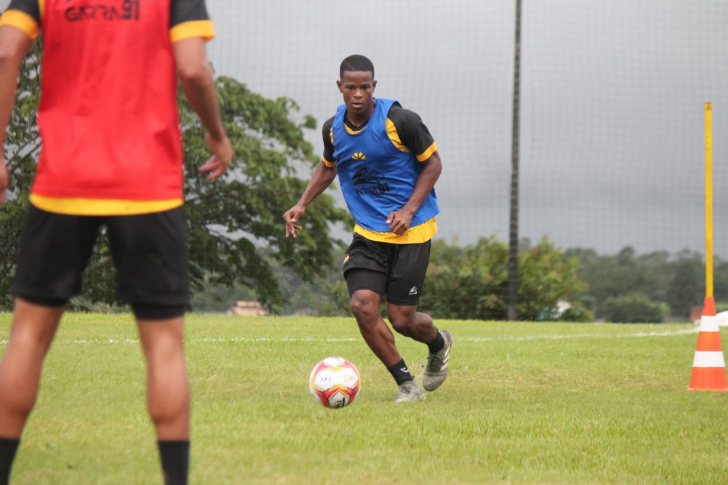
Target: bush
575, 314
635, 308
571, 313
471, 282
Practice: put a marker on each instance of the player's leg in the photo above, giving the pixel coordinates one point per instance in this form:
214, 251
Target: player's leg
420, 327
376, 333
406, 281
407, 321
168, 394
53, 251
365, 271
365, 307
31, 334
150, 254
167, 384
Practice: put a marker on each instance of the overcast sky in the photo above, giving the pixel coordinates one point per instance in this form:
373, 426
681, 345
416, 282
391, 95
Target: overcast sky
612, 133
612, 130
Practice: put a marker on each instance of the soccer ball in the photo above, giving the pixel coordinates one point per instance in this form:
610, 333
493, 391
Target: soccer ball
334, 382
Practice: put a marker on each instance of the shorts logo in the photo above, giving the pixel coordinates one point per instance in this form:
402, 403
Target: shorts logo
346, 258
129, 10
413, 291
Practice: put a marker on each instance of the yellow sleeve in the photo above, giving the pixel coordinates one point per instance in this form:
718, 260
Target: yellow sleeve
194, 28
22, 21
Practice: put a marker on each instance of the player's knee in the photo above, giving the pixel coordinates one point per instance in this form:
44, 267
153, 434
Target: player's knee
401, 321
165, 355
364, 308
18, 394
31, 341
167, 392
20, 406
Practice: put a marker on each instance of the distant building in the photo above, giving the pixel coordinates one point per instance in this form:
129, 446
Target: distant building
247, 309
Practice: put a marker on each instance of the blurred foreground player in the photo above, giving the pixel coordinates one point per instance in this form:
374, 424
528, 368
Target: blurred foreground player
112, 155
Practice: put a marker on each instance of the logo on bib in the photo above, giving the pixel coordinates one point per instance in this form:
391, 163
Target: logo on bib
373, 179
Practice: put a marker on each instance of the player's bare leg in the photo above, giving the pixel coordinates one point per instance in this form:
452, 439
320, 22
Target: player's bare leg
168, 393
380, 339
32, 332
407, 321
376, 333
419, 326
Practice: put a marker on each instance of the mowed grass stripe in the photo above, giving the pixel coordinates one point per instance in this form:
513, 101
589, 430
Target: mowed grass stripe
525, 403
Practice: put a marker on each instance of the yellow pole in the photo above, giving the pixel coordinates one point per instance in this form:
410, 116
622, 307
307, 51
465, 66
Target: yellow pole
708, 201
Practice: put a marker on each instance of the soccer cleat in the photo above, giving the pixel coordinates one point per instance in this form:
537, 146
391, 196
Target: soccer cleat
436, 368
409, 391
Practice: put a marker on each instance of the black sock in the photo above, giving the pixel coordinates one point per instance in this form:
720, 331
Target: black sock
8, 447
175, 456
437, 344
400, 372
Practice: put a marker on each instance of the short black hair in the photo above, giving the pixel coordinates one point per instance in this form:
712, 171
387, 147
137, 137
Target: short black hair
355, 63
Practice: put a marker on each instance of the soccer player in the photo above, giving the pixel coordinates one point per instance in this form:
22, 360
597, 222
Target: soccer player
387, 163
112, 156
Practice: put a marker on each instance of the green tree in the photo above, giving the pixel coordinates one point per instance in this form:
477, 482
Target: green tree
657, 270
230, 221
21, 149
675, 280
720, 284
611, 276
468, 282
471, 282
608, 276
687, 287
635, 308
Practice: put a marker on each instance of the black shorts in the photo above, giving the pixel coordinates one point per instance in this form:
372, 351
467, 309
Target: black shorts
395, 270
149, 252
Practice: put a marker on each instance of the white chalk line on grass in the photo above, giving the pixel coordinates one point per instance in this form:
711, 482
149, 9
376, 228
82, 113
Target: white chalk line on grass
99, 341
583, 335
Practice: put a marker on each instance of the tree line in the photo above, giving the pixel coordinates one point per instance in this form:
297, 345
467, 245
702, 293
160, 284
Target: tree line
470, 282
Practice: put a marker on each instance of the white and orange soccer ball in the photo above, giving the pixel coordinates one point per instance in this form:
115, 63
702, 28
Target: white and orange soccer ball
334, 382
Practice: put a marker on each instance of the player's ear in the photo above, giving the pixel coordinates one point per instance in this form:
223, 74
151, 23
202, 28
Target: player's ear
341, 86
374, 85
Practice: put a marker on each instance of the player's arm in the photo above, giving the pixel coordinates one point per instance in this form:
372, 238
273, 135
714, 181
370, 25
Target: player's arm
432, 168
415, 136
321, 179
190, 29
323, 175
14, 44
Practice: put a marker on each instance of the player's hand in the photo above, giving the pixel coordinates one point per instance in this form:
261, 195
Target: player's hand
399, 222
222, 155
4, 181
291, 216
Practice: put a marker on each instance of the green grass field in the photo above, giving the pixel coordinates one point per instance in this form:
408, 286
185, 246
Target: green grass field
525, 403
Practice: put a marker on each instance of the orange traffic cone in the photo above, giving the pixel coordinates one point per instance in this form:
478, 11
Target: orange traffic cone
709, 363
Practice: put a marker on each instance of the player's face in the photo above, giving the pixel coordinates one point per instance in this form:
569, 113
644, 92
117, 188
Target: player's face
358, 90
